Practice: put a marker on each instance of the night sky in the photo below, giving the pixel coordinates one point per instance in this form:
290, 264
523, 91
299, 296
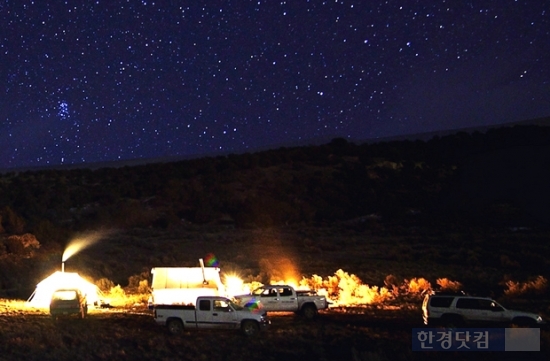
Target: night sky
94, 81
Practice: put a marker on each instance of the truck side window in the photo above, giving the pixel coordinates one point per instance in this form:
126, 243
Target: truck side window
204, 305
467, 303
221, 306
272, 293
260, 292
286, 292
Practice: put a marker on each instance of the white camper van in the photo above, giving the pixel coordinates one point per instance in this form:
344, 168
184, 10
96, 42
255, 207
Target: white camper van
182, 285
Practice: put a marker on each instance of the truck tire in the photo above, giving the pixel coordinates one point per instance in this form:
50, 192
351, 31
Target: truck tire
175, 326
523, 322
249, 327
309, 311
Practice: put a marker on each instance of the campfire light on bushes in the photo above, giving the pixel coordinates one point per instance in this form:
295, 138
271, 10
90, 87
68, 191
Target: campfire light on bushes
344, 289
347, 290
234, 285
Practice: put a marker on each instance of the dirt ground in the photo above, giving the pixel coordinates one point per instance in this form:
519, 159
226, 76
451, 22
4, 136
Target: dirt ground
131, 334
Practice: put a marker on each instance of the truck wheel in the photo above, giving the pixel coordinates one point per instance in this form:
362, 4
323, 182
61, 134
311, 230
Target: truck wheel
174, 326
249, 328
523, 322
309, 311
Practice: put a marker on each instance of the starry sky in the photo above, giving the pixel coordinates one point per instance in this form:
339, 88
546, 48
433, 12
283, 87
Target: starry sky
95, 81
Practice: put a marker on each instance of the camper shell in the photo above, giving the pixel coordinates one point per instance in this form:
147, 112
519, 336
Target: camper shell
183, 285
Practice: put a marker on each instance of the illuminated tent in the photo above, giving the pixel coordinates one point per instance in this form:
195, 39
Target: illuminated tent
58, 280
182, 285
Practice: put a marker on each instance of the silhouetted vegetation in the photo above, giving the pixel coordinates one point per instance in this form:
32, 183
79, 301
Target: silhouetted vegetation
497, 177
437, 199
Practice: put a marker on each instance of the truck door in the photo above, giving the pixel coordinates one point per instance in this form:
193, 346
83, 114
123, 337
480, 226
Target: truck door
203, 314
480, 310
215, 314
287, 299
270, 299
223, 316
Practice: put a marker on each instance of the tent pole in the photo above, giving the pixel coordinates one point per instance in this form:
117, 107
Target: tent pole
31, 297
204, 281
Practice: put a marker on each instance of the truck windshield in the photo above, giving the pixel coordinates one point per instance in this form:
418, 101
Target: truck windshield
235, 306
65, 295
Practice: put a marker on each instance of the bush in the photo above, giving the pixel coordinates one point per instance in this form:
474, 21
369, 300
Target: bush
417, 286
536, 287
447, 285
120, 298
347, 289
105, 284
392, 283
23, 245
143, 286
139, 283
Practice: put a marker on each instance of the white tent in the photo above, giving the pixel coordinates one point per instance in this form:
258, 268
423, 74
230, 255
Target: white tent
58, 280
182, 285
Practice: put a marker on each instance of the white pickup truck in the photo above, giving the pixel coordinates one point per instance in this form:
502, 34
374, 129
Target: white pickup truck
210, 312
277, 298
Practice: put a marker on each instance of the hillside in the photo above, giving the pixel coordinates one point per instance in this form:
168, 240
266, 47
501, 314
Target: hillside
410, 193
333, 182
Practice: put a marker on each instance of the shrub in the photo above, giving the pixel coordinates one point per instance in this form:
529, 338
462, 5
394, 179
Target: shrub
23, 245
139, 283
417, 286
143, 286
392, 283
536, 287
347, 289
120, 298
105, 284
448, 285
116, 296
